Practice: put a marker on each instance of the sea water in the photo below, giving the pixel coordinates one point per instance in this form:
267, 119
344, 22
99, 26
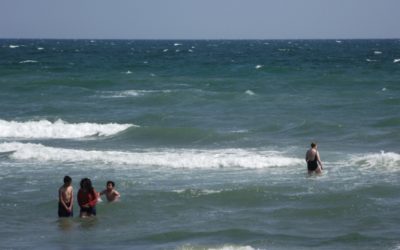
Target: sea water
205, 141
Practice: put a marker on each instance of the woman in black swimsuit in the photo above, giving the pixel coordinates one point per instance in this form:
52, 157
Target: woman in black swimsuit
314, 163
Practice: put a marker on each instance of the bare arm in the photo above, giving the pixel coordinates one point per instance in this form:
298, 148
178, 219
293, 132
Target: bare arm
72, 199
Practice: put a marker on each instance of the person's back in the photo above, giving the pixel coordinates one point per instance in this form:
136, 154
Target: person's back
65, 198
313, 160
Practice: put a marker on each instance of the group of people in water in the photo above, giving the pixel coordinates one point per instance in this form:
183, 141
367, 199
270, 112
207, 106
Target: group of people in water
87, 197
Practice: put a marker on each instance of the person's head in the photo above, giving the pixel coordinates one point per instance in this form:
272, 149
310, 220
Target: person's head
67, 180
313, 145
110, 185
86, 184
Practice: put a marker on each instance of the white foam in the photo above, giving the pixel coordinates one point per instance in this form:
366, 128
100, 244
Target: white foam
177, 44
128, 72
370, 60
58, 129
131, 92
28, 61
13, 46
376, 52
259, 66
170, 158
249, 92
388, 161
396, 60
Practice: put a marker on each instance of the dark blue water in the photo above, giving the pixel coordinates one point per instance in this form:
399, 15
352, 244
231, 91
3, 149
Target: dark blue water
205, 141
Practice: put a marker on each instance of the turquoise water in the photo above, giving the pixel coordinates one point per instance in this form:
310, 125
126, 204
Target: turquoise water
205, 141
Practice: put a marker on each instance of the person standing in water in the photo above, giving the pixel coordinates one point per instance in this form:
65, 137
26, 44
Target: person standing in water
87, 198
313, 160
110, 192
66, 198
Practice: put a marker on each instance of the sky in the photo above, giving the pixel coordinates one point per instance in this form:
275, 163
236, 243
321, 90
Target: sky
200, 19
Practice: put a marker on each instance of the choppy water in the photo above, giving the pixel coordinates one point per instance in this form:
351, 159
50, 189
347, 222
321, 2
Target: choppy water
205, 141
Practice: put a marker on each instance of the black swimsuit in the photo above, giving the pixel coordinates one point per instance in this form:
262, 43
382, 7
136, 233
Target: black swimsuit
313, 165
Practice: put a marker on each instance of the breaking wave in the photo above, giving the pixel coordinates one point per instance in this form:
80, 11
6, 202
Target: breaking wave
58, 129
172, 158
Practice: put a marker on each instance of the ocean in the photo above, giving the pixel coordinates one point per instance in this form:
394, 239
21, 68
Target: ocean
205, 140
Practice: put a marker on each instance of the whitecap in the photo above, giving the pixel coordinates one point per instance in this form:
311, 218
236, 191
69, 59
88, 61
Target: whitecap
396, 60
376, 52
370, 60
338, 41
58, 129
128, 72
165, 50
131, 92
259, 66
13, 46
177, 44
249, 92
28, 61
40, 48
169, 158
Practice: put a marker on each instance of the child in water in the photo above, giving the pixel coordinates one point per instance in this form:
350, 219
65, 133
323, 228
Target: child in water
66, 198
87, 198
110, 192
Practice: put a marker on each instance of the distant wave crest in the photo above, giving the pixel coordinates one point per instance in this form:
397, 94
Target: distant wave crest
58, 129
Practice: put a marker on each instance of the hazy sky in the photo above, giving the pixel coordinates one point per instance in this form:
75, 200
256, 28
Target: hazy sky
200, 19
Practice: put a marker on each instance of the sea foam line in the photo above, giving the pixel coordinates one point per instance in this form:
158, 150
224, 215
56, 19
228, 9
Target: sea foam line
58, 129
171, 158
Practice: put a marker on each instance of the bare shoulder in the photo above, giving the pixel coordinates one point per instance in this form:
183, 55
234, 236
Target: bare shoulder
69, 189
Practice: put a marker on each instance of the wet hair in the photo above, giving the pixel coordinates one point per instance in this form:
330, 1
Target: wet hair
86, 184
67, 179
313, 144
111, 182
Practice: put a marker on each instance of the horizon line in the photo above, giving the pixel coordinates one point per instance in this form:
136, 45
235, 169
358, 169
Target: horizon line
197, 39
